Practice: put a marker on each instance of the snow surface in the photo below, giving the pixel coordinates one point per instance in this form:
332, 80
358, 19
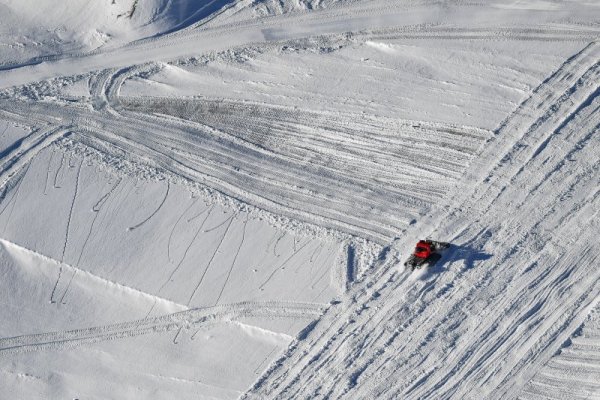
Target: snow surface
215, 199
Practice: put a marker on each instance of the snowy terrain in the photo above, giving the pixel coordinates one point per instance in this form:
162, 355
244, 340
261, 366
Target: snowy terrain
215, 199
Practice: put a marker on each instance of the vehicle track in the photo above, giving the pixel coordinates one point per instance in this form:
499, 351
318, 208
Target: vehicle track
381, 328
345, 189
371, 20
273, 158
29, 147
573, 372
188, 319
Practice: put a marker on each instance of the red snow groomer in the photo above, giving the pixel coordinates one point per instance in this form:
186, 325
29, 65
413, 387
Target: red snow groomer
426, 252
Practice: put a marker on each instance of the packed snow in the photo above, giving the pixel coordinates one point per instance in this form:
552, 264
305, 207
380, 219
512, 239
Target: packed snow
216, 199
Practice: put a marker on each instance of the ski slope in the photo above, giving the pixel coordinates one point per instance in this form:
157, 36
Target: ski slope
215, 200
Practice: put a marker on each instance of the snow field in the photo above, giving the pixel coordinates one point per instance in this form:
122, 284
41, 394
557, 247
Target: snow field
100, 257
216, 200
540, 295
106, 224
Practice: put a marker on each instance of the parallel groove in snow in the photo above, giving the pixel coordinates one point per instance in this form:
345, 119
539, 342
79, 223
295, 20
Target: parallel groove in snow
188, 319
574, 372
482, 343
284, 168
524, 221
391, 161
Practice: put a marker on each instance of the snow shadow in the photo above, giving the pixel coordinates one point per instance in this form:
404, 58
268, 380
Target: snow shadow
433, 267
454, 253
179, 14
469, 255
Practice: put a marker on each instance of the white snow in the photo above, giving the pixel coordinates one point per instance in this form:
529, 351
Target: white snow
474, 83
215, 199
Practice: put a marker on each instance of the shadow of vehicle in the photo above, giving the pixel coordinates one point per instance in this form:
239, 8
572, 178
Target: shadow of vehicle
470, 255
455, 253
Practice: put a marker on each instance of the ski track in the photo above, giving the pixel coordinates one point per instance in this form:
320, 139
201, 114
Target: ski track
371, 18
276, 243
237, 252
175, 226
67, 231
212, 257
28, 148
455, 349
56, 185
11, 203
98, 206
62, 298
183, 257
48, 172
220, 224
281, 266
154, 212
96, 210
73, 200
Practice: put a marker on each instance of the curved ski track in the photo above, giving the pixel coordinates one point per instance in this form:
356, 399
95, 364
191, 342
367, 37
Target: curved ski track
22, 152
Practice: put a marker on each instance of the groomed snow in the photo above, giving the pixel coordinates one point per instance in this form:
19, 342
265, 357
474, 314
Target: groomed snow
215, 200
